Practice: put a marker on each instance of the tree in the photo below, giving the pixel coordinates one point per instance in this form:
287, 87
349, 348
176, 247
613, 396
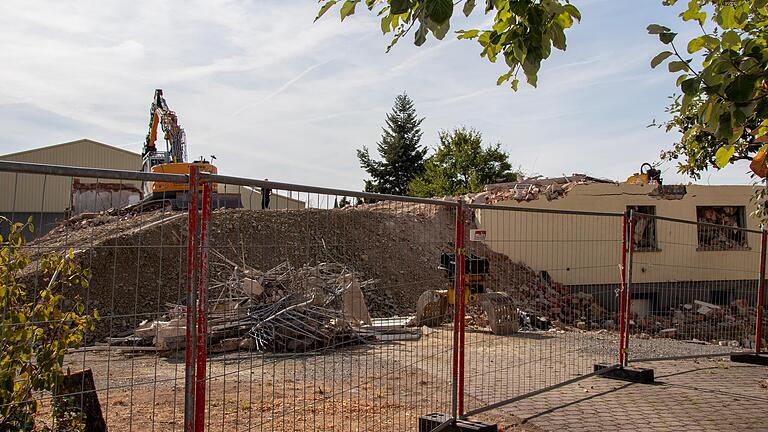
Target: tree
461, 165
38, 329
344, 202
722, 110
402, 156
522, 32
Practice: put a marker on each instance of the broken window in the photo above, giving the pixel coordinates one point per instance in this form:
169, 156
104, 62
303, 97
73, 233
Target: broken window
644, 239
719, 228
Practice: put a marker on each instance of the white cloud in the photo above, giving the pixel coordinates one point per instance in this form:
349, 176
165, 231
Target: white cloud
273, 94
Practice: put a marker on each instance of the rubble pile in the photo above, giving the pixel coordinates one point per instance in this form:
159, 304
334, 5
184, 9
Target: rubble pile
284, 309
720, 237
731, 325
138, 262
531, 189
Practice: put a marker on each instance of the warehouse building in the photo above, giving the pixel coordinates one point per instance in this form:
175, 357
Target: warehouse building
50, 199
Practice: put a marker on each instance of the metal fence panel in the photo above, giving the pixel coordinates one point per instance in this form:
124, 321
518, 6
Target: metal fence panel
560, 272
693, 282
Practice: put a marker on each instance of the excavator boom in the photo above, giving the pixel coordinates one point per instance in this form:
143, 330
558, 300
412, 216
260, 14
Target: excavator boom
175, 137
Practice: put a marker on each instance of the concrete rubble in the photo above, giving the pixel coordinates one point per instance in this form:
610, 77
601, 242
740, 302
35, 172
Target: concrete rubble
726, 325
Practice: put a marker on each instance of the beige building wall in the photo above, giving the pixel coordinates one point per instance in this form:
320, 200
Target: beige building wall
577, 249
51, 194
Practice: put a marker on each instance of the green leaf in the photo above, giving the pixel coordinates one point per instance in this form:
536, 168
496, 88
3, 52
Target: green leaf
660, 57
695, 44
657, 29
469, 6
677, 66
741, 88
572, 11
439, 11
348, 8
467, 34
731, 40
667, 37
439, 30
386, 24
691, 86
323, 9
558, 38
515, 83
398, 7
723, 155
503, 78
725, 17
421, 35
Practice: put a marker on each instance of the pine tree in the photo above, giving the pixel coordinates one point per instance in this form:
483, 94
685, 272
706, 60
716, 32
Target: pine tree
402, 156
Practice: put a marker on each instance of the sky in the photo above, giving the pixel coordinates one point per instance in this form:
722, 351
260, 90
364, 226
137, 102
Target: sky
273, 95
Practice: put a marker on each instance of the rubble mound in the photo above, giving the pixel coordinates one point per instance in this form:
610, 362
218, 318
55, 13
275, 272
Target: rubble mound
138, 261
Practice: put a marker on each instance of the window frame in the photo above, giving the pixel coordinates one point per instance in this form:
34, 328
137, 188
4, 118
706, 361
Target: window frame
654, 233
739, 231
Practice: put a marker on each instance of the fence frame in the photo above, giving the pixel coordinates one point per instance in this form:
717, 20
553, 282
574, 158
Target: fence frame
626, 317
201, 186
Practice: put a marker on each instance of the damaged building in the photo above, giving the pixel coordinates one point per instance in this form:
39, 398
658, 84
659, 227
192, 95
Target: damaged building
674, 262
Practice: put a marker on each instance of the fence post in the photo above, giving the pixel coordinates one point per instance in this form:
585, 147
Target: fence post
622, 288
760, 294
458, 241
191, 329
628, 289
461, 296
202, 308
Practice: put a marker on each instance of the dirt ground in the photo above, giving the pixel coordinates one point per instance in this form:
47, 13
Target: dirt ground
370, 387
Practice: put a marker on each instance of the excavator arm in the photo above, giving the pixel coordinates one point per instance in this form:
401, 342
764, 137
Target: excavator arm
175, 138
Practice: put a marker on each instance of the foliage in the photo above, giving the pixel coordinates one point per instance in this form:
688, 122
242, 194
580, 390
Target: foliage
461, 165
403, 157
38, 329
693, 160
522, 32
722, 111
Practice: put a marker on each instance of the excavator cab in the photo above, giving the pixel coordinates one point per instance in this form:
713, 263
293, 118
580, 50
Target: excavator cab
432, 306
476, 269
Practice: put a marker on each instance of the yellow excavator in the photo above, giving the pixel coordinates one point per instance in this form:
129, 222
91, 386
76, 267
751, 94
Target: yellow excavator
173, 160
646, 175
432, 306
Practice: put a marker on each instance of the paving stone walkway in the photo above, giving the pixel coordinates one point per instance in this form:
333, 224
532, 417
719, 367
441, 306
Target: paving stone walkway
701, 395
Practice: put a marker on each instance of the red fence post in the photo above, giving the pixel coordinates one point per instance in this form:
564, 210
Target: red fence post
628, 285
202, 308
760, 295
191, 347
622, 289
456, 325
461, 296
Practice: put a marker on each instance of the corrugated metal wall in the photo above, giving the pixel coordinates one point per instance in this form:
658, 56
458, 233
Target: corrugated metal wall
50, 194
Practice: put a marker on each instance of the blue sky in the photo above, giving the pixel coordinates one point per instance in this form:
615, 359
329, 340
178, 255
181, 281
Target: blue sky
271, 94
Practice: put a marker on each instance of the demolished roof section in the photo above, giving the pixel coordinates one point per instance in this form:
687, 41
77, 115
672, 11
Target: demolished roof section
533, 188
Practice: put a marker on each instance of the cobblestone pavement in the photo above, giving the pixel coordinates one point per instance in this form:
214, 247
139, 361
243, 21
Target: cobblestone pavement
701, 395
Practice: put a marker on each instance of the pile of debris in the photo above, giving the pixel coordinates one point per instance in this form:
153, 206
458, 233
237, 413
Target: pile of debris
731, 324
532, 188
285, 309
717, 235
